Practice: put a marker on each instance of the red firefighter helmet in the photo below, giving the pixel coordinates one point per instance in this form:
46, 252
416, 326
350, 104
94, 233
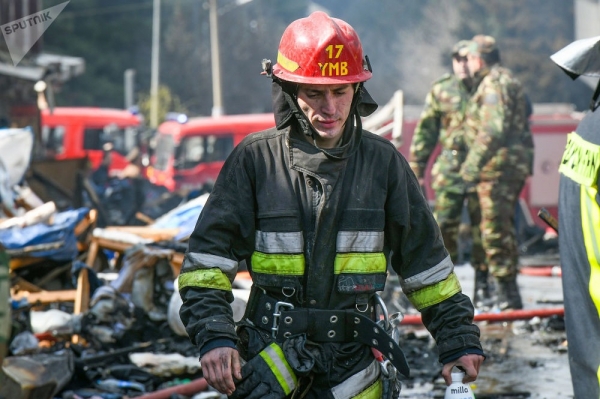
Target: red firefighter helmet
319, 49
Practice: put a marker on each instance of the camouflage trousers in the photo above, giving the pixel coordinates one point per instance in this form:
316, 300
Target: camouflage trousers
5, 319
448, 212
498, 200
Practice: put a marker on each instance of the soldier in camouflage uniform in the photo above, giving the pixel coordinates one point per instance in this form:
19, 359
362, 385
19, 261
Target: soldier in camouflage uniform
440, 123
499, 160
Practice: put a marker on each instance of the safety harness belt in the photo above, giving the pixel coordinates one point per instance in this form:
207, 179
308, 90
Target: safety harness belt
283, 321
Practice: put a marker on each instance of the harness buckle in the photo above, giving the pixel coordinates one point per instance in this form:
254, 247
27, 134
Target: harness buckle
277, 315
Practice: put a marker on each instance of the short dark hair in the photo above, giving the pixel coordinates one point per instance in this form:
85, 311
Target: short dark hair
487, 49
491, 58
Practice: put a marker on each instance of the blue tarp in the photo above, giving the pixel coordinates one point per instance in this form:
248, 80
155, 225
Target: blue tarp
184, 217
58, 238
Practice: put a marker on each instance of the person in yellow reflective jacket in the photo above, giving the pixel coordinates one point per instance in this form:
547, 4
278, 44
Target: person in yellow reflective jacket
317, 208
579, 226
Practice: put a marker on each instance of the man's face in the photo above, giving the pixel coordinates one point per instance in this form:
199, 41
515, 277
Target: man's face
460, 67
327, 108
474, 63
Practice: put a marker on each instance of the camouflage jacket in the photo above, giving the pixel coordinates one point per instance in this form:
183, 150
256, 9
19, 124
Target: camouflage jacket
497, 130
439, 123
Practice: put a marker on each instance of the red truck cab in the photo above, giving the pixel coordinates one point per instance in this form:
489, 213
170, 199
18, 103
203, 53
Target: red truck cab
188, 154
550, 132
77, 132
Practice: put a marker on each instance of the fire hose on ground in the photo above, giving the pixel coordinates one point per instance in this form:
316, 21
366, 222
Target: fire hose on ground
191, 388
541, 271
415, 319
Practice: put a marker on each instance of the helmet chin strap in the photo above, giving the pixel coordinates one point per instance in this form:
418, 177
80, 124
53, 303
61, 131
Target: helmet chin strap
290, 94
292, 100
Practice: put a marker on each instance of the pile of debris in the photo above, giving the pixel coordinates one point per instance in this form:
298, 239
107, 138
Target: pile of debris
94, 307
87, 309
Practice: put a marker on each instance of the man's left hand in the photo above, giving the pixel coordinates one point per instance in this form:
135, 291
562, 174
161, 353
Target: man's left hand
469, 363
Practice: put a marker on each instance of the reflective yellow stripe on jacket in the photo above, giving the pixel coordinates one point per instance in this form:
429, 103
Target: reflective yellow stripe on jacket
207, 271
359, 261
279, 253
590, 220
359, 252
360, 265
432, 286
365, 384
275, 359
580, 161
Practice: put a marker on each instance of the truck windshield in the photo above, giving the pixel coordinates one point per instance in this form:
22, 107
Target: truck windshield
123, 139
53, 138
165, 147
195, 150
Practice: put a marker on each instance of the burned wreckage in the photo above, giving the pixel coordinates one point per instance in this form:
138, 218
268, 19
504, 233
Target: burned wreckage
90, 303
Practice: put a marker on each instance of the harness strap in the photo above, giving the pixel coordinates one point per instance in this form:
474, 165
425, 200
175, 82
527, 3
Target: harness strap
319, 325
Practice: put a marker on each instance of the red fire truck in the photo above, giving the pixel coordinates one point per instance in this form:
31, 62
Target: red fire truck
189, 154
77, 132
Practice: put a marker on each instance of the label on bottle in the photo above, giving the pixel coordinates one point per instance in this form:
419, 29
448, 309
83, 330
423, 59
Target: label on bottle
458, 391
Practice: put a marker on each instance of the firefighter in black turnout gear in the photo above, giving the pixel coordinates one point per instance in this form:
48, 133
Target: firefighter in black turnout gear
317, 207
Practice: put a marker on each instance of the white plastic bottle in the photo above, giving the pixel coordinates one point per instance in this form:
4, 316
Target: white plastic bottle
458, 390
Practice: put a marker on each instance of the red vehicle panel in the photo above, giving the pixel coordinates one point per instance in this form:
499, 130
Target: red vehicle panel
188, 156
77, 132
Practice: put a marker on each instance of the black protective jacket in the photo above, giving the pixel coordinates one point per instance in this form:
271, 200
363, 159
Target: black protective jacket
276, 181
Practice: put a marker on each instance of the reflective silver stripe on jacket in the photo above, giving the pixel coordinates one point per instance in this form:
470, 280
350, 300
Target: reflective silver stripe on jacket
433, 275
359, 241
279, 242
282, 369
193, 261
357, 383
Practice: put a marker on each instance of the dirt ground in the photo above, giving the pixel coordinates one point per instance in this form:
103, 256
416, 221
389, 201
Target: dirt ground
526, 359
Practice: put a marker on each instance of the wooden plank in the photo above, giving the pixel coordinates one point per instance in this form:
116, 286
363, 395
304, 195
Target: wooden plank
84, 224
23, 285
46, 297
152, 233
41, 214
114, 245
144, 218
82, 299
16, 263
92, 253
176, 262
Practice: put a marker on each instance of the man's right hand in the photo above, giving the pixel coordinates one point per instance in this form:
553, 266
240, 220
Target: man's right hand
266, 376
219, 367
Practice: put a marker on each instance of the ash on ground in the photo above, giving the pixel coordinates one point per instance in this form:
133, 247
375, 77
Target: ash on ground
504, 343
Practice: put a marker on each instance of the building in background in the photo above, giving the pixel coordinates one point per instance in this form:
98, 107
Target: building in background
18, 99
587, 15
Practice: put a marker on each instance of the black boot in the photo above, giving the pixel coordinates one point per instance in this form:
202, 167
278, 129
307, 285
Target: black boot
481, 296
509, 297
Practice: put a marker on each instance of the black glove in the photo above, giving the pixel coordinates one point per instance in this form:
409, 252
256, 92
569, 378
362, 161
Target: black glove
266, 376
